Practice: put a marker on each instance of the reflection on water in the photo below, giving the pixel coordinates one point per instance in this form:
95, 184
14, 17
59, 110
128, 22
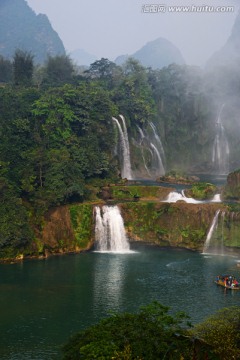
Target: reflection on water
108, 288
43, 302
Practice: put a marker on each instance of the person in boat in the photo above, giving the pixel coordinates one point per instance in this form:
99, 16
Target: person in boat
235, 282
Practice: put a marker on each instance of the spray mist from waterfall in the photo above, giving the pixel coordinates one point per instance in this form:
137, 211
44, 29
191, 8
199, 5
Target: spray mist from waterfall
110, 235
126, 170
220, 151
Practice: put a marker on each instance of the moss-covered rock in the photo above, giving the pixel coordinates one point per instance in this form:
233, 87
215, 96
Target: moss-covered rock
65, 229
178, 224
135, 192
232, 188
201, 191
176, 177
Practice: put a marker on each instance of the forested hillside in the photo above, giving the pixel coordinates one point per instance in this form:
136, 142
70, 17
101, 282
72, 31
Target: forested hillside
59, 143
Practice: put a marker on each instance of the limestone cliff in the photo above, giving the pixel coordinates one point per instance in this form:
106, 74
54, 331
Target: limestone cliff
71, 228
177, 224
21, 28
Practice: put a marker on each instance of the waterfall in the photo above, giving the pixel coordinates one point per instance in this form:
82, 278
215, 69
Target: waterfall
126, 171
175, 196
110, 235
220, 151
157, 139
158, 149
160, 167
222, 233
217, 198
152, 151
210, 232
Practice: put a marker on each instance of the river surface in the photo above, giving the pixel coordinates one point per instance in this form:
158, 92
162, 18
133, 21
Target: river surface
43, 302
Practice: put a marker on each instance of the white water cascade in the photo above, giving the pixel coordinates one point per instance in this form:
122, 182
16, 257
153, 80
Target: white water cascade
152, 151
220, 152
142, 149
175, 196
126, 171
210, 232
110, 235
158, 149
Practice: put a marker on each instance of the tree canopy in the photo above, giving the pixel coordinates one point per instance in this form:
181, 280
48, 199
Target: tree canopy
151, 333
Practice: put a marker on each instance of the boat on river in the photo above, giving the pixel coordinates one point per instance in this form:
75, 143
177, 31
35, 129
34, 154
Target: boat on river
228, 282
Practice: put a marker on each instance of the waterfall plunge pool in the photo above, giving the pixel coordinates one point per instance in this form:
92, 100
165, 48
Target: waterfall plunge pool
43, 302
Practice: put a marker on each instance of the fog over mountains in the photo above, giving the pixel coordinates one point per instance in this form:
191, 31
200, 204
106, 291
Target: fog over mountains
21, 28
229, 54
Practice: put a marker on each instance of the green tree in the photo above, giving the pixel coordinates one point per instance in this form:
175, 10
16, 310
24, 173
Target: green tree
15, 232
22, 68
152, 333
6, 70
59, 70
221, 331
134, 95
106, 71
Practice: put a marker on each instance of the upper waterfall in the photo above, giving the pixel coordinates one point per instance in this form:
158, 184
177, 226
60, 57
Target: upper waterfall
126, 170
220, 151
152, 151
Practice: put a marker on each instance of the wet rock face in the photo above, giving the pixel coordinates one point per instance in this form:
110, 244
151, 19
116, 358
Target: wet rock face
179, 224
232, 189
57, 234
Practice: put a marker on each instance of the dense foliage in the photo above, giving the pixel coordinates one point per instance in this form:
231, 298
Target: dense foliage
152, 333
58, 137
221, 331
201, 191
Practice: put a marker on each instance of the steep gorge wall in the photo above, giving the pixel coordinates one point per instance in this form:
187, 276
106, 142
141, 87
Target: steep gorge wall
177, 224
71, 228
65, 229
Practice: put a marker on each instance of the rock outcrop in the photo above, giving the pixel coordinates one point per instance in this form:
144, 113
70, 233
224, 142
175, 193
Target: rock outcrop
232, 188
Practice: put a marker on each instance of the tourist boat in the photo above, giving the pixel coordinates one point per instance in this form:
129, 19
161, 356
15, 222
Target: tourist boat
228, 282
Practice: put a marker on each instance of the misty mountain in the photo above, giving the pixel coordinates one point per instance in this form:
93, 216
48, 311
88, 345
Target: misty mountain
81, 57
21, 28
229, 54
156, 54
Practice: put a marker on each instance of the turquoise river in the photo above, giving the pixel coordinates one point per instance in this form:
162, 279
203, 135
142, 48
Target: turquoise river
43, 302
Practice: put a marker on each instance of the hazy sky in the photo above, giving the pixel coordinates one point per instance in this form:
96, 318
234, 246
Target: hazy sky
109, 28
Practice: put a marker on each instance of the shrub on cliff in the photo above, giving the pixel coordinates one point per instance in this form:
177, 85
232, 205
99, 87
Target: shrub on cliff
201, 191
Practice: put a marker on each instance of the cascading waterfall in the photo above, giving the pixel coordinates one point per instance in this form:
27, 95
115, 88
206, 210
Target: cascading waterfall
210, 232
110, 235
222, 233
126, 171
157, 137
220, 152
175, 196
142, 150
160, 167
158, 149
152, 150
